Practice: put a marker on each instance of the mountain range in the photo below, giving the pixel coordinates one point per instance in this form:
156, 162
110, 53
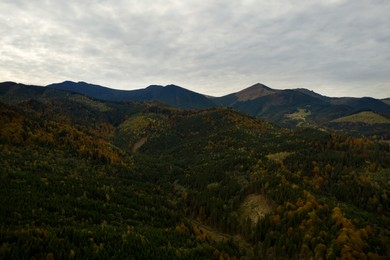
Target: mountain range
257, 100
288, 108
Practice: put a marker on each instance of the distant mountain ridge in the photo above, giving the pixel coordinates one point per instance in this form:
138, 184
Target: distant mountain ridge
171, 94
289, 108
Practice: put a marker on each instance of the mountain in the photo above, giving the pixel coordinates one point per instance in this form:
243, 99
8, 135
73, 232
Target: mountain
253, 92
171, 95
91, 90
17, 90
85, 178
297, 107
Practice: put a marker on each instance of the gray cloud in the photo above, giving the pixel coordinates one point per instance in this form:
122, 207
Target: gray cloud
334, 47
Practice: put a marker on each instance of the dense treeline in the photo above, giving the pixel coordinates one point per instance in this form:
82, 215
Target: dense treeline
319, 173
73, 207
312, 176
87, 179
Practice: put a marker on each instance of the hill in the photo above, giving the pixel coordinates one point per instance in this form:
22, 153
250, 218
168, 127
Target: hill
362, 124
212, 183
367, 117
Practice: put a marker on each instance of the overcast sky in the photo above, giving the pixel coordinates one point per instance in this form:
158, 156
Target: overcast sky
334, 47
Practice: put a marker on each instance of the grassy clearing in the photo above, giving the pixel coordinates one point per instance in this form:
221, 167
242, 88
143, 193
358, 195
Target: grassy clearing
301, 114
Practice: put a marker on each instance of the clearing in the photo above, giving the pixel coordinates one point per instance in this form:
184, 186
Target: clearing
255, 207
301, 114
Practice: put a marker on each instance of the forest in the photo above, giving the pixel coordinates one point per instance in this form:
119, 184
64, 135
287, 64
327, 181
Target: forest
83, 178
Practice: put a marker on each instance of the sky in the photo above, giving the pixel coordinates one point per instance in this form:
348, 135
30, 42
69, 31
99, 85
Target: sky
333, 47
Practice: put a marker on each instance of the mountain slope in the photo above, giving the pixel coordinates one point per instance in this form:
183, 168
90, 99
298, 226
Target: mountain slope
275, 107
313, 94
386, 100
365, 103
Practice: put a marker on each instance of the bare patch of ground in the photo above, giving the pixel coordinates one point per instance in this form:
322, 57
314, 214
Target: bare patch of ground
255, 207
139, 144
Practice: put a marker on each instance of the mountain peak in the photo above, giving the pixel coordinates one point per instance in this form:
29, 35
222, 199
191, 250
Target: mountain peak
173, 86
260, 85
151, 87
254, 92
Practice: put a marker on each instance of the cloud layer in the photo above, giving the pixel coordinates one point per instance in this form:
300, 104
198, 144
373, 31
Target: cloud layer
334, 47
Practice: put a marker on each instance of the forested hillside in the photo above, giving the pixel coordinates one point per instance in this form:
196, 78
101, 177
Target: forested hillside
82, 178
